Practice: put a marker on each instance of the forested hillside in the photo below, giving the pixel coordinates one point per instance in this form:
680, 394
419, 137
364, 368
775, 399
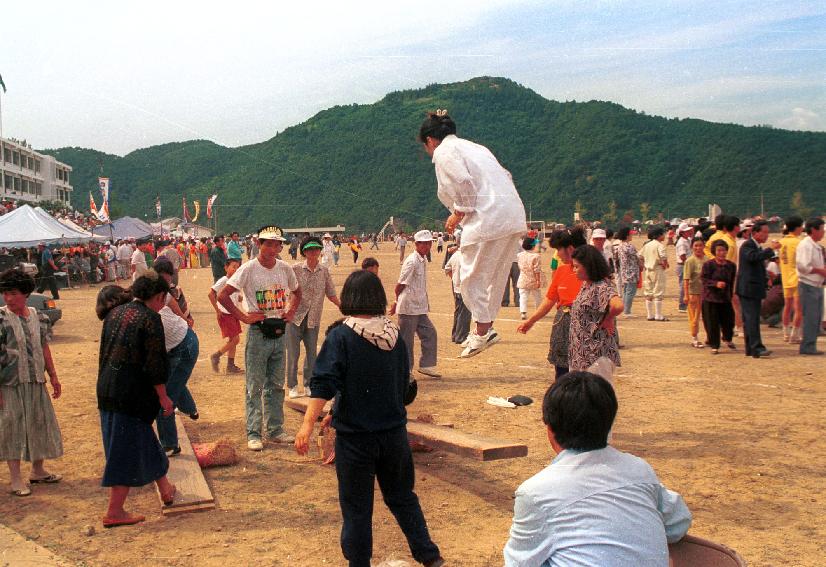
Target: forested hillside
359, 164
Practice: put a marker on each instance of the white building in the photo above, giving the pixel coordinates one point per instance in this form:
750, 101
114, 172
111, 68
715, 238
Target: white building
26, 175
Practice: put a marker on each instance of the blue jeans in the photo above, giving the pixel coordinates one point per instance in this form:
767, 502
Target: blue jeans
182, 360
811, 305
264, 360
629, 290
295, 336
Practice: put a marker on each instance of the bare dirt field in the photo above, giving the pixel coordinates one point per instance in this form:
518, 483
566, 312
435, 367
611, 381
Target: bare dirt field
741, 439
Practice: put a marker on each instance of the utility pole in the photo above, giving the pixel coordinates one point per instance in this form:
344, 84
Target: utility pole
762, 210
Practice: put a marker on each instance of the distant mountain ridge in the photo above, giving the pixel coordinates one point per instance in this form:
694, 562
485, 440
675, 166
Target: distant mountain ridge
359, 164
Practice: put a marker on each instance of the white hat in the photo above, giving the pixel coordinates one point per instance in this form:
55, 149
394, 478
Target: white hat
326, 235
423, 236
599, 233
746, 224
684, 226
271, 233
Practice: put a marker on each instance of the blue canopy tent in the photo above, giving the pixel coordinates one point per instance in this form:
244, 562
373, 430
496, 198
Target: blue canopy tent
124, 227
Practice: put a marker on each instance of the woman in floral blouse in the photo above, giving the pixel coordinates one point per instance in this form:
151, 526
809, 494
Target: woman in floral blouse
594, 312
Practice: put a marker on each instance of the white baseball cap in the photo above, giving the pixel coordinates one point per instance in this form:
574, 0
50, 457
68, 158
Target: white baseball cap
423, 236
684, 226
599, 233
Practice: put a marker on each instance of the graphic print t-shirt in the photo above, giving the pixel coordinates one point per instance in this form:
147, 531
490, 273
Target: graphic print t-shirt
265, 290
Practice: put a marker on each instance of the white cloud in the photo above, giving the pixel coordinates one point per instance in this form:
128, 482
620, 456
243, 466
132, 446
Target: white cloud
802, 119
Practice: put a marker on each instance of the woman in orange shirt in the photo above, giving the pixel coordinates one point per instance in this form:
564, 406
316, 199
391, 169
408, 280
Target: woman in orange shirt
561, 293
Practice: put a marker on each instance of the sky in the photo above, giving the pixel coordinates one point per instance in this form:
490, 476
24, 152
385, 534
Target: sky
118, 76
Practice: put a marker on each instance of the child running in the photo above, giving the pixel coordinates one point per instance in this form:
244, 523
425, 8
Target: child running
230, 326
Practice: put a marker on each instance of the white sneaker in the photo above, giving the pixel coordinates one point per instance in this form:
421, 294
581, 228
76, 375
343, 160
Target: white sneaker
307, 392
255, 445
294, 393
477, 344
430, 371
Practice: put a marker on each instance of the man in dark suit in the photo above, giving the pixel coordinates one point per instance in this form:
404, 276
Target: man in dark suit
751, 285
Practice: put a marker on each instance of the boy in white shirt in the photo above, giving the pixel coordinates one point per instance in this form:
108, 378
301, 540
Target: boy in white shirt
230, 326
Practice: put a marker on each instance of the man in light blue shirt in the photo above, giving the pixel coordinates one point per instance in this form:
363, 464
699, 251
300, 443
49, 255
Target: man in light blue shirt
234, 248
594, 505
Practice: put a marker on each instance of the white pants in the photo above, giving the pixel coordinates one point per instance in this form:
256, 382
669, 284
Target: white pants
525, 295
484, 271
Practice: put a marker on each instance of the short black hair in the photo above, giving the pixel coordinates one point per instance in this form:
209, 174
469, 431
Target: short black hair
716, 244
217, 238
109, 297
655, 233
813, 223
609, 233
363, 294
234, 233
730, 222
306, 240
623, 233
593, 261
437, 127
580, 408
793, 223
164, 266
232, 260
369, 262
560, 239
149, 285
758, 225
16, 279
528, 243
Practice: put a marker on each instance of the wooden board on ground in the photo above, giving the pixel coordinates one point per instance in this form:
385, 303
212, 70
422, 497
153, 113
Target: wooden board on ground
448, 439
193, 493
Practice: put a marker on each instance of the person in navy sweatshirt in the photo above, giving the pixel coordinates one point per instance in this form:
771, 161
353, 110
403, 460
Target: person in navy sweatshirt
364, 365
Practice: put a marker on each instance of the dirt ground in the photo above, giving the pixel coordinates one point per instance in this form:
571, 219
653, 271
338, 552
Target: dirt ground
739, 438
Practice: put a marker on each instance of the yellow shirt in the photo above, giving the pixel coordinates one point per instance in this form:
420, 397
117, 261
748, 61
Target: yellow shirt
788, 260
731, 255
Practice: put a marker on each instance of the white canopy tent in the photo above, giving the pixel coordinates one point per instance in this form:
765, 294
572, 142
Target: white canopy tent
75, 227
25, 227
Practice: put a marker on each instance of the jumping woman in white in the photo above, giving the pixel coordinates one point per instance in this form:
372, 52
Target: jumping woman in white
482, 199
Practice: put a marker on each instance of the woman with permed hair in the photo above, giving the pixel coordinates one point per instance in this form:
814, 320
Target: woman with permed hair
482, 198
28, 425
131, 390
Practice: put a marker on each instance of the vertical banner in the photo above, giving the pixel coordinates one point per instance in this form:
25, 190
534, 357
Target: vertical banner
210, 201
158, 206
185, 210
92, 207
103, 213
197, 205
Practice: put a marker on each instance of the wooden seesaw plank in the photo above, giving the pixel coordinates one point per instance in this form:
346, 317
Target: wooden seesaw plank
193, 493
448, 439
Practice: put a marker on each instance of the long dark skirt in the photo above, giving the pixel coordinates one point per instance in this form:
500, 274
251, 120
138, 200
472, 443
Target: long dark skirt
134, 456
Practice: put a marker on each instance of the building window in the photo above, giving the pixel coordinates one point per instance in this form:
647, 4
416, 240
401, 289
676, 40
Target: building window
9, 183
29, 162
7, 155
37, 166
25, 186
15, 158
66, 177
16, 183
38, 189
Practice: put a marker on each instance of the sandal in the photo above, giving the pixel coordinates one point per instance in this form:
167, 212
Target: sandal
126, 521
715, 351
21, 492
51, 479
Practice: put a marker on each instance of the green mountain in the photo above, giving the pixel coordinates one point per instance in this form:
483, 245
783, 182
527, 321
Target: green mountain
359, 164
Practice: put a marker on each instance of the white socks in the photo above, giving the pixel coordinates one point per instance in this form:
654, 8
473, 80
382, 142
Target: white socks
658, 308
649, 308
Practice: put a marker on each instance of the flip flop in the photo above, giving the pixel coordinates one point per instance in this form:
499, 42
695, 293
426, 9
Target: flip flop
21, 493
127, 521
51, 479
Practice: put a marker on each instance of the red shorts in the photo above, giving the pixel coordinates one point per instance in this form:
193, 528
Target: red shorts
230, 326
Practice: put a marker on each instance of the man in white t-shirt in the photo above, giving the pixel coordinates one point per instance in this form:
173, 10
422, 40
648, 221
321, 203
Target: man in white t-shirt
124, 257
138, 261
412, 305
272, 295
683, 252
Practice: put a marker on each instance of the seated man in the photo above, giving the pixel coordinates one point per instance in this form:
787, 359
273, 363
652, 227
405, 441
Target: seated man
593, 505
